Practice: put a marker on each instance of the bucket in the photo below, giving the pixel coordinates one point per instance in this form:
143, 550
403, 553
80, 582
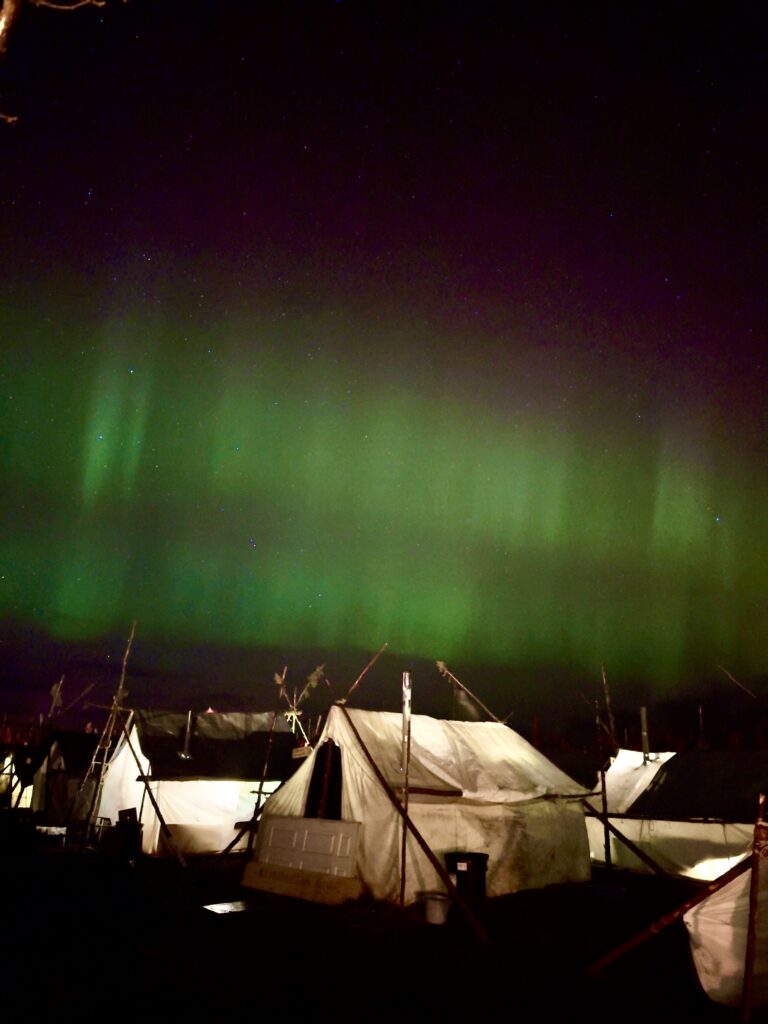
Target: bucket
436, 906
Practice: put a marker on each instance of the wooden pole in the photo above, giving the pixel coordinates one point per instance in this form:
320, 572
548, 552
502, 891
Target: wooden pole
665, 920
357, 682
759, 853
406, 762
608, 708
163, 826
644, 732
460, 902
638, 852
444, 670
606, 830
184, 754
262, 780
104, 744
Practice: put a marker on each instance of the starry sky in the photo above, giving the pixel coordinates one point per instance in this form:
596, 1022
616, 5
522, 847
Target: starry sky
327, 325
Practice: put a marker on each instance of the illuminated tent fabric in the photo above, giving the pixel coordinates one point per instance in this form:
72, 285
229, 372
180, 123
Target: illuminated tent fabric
56, 783
203, 796
473, 787
688, 811
693, 814
717, 930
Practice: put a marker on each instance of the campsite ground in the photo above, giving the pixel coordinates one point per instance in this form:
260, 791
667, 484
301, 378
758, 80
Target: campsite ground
89, 934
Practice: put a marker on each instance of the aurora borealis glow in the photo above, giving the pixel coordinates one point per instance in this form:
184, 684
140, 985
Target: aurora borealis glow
407, 427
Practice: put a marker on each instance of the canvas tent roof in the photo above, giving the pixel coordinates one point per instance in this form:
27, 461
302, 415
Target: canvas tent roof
717, 784
473, 786
201, 798
223, 745
483, 761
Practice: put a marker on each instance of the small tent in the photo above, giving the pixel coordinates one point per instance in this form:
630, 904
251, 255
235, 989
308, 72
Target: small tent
473, 787
204, 772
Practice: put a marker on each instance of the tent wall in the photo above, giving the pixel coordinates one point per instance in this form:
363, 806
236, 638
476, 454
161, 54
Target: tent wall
693, 849
717, 930
200, 813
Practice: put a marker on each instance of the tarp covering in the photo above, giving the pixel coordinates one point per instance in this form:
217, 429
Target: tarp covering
628, 776
221, 745
717, 929
202, 797
693, 814
720, 784
648, 802
487, 790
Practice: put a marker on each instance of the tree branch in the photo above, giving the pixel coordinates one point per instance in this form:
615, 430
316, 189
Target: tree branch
8, 13
68, 7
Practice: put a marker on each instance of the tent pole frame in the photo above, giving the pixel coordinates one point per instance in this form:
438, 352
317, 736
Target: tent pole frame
472, 920
758, 855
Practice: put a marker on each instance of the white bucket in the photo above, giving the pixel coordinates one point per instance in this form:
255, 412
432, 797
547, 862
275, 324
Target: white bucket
436, 906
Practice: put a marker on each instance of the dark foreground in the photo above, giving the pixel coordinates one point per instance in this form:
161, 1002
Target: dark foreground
87, 935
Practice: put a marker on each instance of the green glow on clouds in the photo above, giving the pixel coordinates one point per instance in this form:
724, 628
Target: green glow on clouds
315, 483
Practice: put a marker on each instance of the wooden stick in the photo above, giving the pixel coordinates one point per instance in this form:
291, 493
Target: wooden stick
759, 852
665, 920
462, 905
606, 830
608, 709
262, 780
444, 670
357, 682
736, 681
163, 826
641, 854
406, 766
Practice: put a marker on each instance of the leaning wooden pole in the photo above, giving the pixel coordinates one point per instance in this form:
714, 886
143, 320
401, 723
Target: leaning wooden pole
406, 759
262, 780
104, 744
590, 811
471, 918
370, 664
444, 670
663, 922
148, 789
606, 830
608, 708
759, 853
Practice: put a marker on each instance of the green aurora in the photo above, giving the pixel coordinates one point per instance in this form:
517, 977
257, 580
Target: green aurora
314, 481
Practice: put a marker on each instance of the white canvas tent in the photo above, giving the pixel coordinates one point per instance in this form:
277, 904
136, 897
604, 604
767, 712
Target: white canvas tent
693, 814
472, 787
717, 931
202, 795
672, 807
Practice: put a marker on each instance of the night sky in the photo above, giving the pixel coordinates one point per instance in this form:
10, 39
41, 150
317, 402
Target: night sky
329, 325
